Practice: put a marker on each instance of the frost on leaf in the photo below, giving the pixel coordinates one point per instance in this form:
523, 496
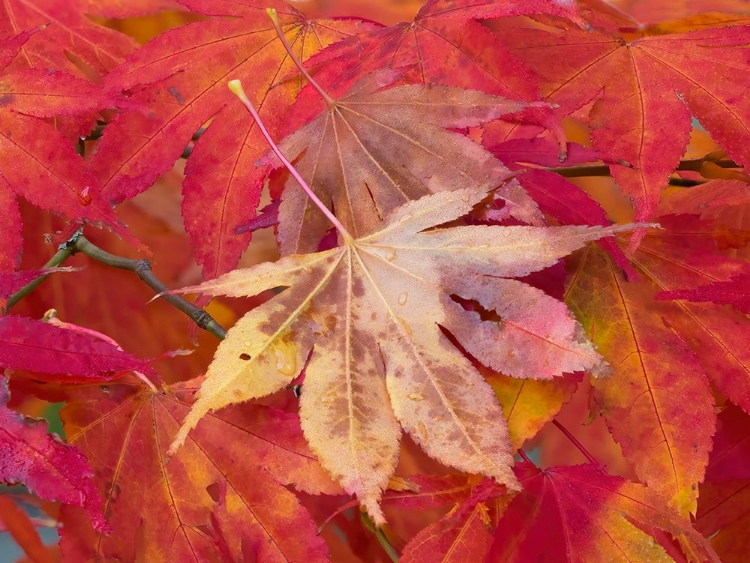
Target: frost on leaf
371, 312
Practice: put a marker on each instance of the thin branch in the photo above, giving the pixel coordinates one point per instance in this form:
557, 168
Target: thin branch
576, 443
64, 251
693, 165
525, 457
143, 269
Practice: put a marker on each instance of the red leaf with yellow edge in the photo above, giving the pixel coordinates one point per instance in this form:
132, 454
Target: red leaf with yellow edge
31, 345
225, 485
49, 468
223, 185
658, 402
372, 310
641, 88
724, 507
580, 514
66, 29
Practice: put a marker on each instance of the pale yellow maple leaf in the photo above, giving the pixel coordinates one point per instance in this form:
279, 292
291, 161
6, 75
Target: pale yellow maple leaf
369, 315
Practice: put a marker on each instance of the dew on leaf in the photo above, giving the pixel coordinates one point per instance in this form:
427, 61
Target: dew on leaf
402, 298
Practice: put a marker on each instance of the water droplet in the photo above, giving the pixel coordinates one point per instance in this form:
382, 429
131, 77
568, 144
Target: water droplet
415, 397
286, 364
406, 216
84, 196
390, 254
402, 298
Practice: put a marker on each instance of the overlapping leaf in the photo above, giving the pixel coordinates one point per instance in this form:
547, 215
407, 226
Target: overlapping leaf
368, 315
223, 184
662, 351
735, 292
641, 89
725, 496
443, 36
36, 161
49, 468
578, 514
375, 150
221, 495
27, 344
67, 29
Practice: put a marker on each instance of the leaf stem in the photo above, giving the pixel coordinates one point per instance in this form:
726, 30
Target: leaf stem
236, 87
142, 268
280, 32
381, 537
576, 443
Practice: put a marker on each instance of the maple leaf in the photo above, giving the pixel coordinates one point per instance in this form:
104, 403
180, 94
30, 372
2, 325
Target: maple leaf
47, 350
663, 352
484, 9
641, 88
373, 150
222, 186
63, 30
722, 512
36, 161
372, 311
735, 292
50, 469
225, 485
576, 514
660, 11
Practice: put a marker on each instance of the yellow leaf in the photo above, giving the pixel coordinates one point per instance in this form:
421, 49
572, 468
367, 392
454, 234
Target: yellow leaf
369, 316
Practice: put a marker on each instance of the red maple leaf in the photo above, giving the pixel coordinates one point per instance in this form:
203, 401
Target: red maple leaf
49, 468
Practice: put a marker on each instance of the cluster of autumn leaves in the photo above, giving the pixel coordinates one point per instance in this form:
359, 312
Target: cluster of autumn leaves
434, 315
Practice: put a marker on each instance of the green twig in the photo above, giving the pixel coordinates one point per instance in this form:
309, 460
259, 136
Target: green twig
64, 251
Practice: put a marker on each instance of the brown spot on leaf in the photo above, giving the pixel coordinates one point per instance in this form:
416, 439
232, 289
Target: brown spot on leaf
6, 100
176, 95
